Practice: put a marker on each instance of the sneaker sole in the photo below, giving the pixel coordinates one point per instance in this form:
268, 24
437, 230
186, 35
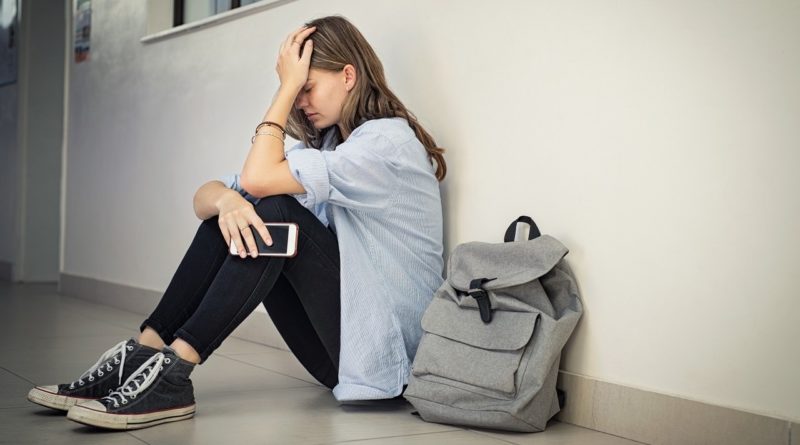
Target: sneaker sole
49, 399
88, 416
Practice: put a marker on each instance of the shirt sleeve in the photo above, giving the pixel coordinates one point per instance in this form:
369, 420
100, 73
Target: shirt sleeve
359, 174
233, 180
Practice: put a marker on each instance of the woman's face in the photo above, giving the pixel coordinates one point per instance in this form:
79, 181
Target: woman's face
323, 96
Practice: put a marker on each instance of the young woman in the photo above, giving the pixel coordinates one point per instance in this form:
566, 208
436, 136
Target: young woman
363, 188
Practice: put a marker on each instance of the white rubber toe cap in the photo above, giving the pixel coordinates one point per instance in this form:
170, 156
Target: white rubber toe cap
93, 405
49, 388
48, 396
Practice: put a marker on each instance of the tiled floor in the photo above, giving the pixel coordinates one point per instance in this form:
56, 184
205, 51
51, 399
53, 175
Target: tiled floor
246, 392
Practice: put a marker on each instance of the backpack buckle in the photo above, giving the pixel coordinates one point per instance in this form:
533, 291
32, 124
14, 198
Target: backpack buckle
481, 297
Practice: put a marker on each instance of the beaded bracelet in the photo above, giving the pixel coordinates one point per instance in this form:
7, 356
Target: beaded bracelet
253, 139
272, 124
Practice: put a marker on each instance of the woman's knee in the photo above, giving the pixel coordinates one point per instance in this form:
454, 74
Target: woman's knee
275, 208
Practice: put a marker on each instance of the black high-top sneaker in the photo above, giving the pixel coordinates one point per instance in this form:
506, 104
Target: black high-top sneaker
159, 391
106, 375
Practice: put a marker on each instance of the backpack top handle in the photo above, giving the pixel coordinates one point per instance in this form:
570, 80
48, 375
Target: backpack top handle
512, 229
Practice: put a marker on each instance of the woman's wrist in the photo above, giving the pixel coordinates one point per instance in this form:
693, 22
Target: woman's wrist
224, 196
284, 99
289, 89
207, 198
282, 105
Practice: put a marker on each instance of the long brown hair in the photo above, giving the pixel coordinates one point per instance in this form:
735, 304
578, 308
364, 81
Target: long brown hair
338, 43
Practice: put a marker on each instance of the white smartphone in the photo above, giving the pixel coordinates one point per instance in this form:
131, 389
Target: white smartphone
284, 241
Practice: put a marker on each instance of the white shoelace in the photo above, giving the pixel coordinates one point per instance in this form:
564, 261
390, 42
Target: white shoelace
105, 359
132, 386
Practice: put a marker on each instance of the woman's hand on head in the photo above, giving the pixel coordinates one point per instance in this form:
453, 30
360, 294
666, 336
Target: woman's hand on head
236, 215
293, 69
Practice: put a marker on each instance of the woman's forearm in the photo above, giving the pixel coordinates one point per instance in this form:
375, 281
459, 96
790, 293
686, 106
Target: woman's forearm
207, 198
267, 152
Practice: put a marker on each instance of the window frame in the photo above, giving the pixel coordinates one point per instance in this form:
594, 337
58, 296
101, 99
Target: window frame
161, 18
178, 10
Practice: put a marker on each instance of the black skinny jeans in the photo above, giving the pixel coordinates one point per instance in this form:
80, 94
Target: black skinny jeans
212, 291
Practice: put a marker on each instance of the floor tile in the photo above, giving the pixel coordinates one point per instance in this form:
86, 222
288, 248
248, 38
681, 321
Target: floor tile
42, 343
13, 390
283, 362
57, 360
236, 346
246, 392
36, 425
221, 375
110, 315
444, 438
296, 416
49, 315
558, 433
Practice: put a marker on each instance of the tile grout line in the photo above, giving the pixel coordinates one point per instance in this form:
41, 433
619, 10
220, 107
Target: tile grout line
390, 437
17, 375
261, 345
607, 434
566, 423
270, 370
137, 438
266, 390
100, 306
488, 435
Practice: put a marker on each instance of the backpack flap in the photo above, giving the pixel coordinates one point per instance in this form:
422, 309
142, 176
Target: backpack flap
509, 331
458, 346
510, 264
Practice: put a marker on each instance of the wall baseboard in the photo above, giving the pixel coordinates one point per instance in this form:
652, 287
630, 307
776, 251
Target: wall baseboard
6, 271
655, 418
258, 327
623, 411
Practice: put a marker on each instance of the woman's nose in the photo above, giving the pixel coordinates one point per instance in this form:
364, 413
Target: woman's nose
300, 100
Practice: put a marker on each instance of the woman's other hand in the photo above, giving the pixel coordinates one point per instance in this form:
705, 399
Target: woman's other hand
236, 215
293, 69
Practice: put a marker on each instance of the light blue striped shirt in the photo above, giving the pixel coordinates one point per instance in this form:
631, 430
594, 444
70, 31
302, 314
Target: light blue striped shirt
379, 193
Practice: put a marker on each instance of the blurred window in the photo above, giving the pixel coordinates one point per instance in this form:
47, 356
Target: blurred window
187, 11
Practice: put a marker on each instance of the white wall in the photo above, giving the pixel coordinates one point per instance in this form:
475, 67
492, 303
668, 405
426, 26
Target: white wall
656, 140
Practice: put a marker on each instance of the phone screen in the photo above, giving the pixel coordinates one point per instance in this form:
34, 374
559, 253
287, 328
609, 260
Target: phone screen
280, 240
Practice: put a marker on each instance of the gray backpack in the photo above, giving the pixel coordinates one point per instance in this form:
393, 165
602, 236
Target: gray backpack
493, 334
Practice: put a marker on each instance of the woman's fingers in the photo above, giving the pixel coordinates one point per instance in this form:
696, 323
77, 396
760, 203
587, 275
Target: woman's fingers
255, 221
223, 227
307, 49
290, 38
236, 237
238, 221
298, 41
249, 241
249, 220
291, 68
242, 232
296, 38
261, 229
305, 32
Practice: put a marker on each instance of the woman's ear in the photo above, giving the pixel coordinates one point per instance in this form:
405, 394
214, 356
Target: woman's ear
349, 77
